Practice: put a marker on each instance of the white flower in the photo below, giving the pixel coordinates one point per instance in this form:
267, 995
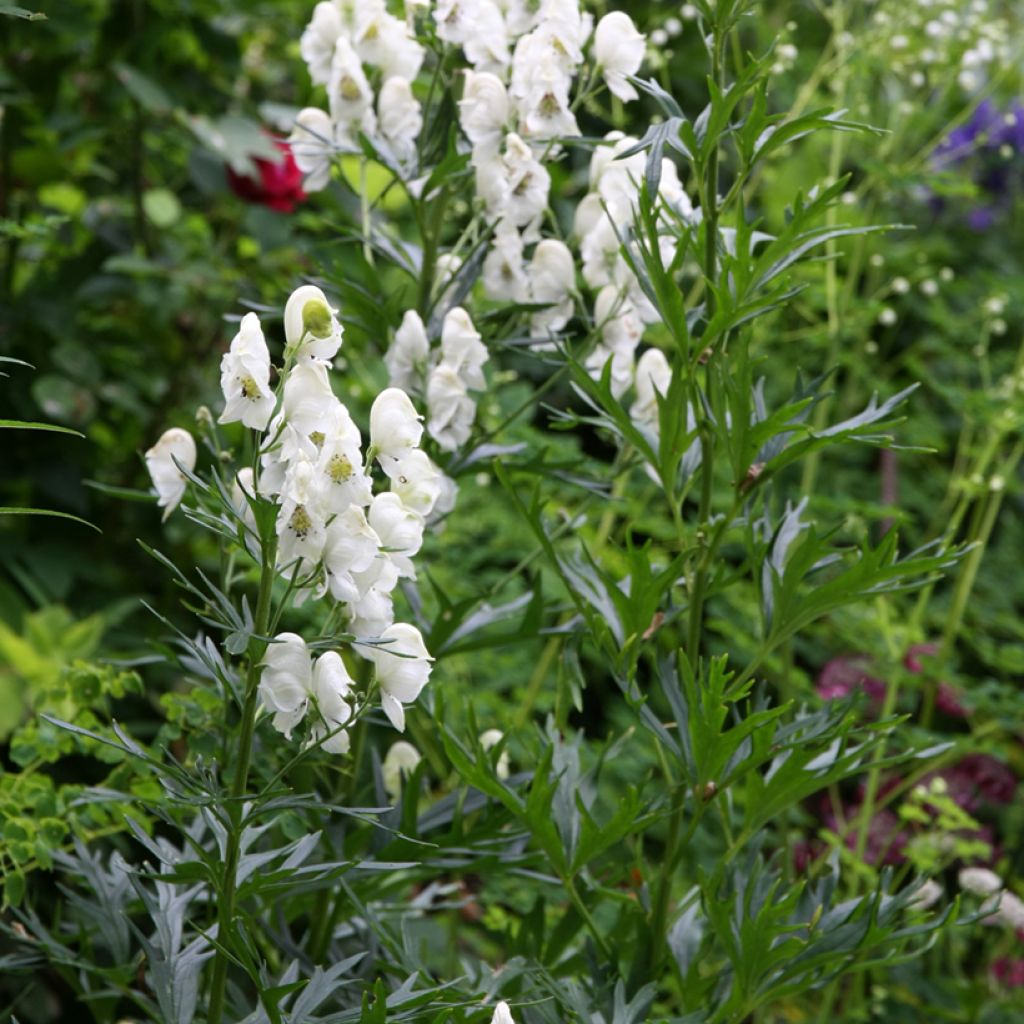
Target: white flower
447, 494
483, 109
399, 529
394, 424
417, 481
502, 1014
503, 273
286, 681
980, 881
1010, 911
621, 328
545, 108
174, 446
348, 92
372, 614
399, 117
528, 182
619, 50
552, 276
461, 348
331, 686
302, 520
407, 355
491, 738
313, 148
245, 377
343, 481
450, 411
621, 367
486, 38
399, 762
403, 668
350, 548
242, 490
653, 377
319, 39
311, 328
454, 19
383, 40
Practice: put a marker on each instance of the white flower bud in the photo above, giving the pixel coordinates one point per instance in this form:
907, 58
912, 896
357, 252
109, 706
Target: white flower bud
450, 410
980, 881
400, 117
462, 350
483, 109
175, 448
491, 738
502, 1014
312, 145
408, 353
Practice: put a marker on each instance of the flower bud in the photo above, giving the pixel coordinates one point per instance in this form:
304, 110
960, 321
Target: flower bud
174, 451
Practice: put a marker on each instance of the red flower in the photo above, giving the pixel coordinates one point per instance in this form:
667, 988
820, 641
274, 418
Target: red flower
279, 185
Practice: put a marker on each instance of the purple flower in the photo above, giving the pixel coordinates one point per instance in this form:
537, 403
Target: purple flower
841, 676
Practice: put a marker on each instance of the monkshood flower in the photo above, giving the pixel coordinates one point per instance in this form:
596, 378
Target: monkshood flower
408, 354
331, 686
245, 377
462, 350
175, 450
399, 117
619, 50
653, 377
502, 1014
313, 147
395, 427
399, 763
483, 109
286, 681
311, 327
450, 410
403, 669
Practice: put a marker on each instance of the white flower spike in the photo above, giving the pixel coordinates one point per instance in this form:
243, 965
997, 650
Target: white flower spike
245, 377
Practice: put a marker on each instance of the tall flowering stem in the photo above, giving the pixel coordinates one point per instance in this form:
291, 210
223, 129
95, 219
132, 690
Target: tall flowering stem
240, 780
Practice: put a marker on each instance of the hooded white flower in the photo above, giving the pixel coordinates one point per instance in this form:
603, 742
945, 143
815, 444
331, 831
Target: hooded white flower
319, 39
621, 328
416, 480
407, 355
400, 531
619, 50
486, 42
302, 520
245, 377
528, 182
450, 411
503, 274
483, 109
174, 445
621, 367
400, 117
349, 95
403, 668
311, 328
544, 107
313, 147
331, 687
350, 548
394, 424
491, 738
653, 377
552, 276
399, 762
286, 681
374, 612
383, 41
462, 350
343, 480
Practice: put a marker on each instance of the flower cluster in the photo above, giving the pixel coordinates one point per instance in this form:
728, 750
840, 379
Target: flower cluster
444, 375
351, 46
335, 535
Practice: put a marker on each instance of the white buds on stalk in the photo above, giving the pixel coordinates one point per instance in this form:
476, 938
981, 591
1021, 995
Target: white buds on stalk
174, 451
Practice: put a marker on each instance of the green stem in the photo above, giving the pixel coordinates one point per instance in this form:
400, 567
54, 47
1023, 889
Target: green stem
239, 784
